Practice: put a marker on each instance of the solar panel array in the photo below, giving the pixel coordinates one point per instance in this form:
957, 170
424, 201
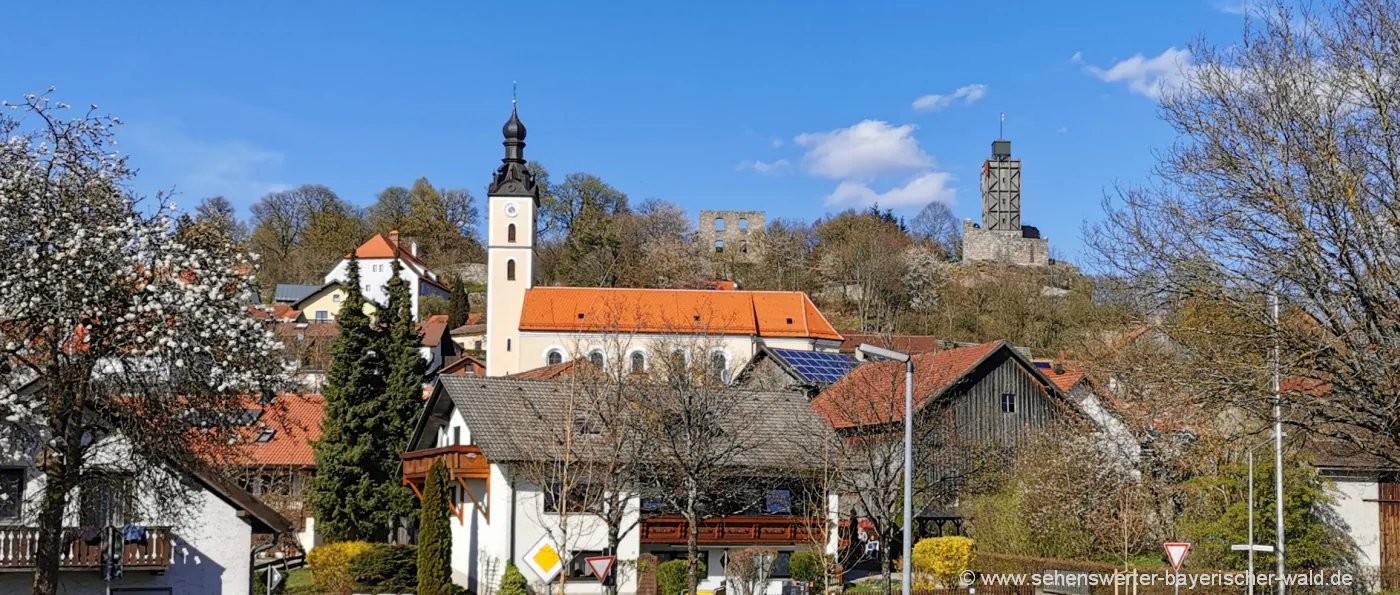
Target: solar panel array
816, 366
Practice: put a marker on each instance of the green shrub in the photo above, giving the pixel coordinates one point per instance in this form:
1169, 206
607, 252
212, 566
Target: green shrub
330, 565
671, 577
386, 567
944, 558
512, 582
807, 567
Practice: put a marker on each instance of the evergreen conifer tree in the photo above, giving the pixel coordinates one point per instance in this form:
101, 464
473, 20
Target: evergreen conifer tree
344, 491
402, 399
435, 539
458, 306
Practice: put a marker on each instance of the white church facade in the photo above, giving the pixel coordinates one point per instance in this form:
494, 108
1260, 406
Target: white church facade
529, 327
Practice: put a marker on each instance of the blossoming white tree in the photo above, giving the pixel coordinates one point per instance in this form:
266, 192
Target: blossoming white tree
111, 327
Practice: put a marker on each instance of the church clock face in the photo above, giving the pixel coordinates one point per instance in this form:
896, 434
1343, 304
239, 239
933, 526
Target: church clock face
512, 210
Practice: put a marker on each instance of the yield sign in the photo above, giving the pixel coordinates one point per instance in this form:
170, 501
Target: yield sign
1176, 553
601, 566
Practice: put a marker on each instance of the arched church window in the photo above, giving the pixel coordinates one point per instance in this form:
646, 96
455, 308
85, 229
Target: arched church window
554, 357
510, 270
510, 233
595, 357
639, 362
718, 365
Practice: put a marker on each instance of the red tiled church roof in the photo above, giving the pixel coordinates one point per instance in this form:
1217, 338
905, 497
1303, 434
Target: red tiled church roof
757, 313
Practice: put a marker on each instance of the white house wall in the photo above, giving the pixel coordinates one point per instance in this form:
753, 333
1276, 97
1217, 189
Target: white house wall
374, 283
212, 544
535, 346
1363, 519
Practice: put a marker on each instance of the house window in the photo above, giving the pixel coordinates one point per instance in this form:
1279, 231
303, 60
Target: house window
778, 502
578, 569
322, 316
782, 567
335, 297
639, 362
719, 224
554, 357
11, 492
106, 501
595, 357
507, 344
579, 497
1008, 403
510, 233
457, 438
719, 246
510, 270
478, 348
650, 505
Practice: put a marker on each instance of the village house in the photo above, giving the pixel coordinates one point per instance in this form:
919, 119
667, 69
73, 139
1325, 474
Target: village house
529, 327
494, 436
277, 460
207, 546
376, 257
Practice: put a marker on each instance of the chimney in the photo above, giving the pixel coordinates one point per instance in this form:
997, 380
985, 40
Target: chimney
413, 249
394, 239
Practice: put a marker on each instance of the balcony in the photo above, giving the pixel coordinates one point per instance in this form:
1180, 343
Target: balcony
18, 546
738, 530
463, 462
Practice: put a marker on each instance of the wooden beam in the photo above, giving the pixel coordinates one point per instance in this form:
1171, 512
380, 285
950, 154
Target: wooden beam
484, 510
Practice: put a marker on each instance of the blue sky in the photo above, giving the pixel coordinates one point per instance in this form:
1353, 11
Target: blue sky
796, 108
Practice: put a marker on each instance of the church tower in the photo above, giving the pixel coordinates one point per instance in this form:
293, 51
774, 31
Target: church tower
513, 201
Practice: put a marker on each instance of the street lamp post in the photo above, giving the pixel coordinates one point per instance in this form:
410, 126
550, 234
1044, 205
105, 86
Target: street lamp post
907, 577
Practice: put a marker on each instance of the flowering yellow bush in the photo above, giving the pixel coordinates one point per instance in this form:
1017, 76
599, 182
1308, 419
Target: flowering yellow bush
944, 558
330, 565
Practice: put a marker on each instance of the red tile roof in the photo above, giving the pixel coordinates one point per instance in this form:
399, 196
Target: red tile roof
296, 423
438, 318
758, 313
556, 371
900, 343
873, 393
1065, 380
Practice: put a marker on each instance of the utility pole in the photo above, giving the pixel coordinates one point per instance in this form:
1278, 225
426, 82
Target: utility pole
1278, 448
907, 578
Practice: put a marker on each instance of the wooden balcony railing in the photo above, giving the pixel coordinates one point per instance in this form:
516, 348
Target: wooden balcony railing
757, 530
18, 545
463, 462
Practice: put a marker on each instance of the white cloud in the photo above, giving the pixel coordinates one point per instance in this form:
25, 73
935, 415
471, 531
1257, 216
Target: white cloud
1077, 57
235, 169
776, 142
865, 149
967, 95
1149, 77
1063, 129
764, 167
920, 190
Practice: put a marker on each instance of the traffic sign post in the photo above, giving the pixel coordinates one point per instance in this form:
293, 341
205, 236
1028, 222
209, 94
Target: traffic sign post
1176, 554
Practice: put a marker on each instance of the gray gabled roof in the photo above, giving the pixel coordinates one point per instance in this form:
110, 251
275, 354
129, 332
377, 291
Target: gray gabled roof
288, 293
517, 419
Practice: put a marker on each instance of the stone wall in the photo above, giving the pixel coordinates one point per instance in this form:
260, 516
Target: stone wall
734, 228
1010, 247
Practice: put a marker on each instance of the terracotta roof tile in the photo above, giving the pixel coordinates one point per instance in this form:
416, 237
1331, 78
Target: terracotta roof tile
438, 318
758, 313
556, 371
873, 394
1066, 380
295, 426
